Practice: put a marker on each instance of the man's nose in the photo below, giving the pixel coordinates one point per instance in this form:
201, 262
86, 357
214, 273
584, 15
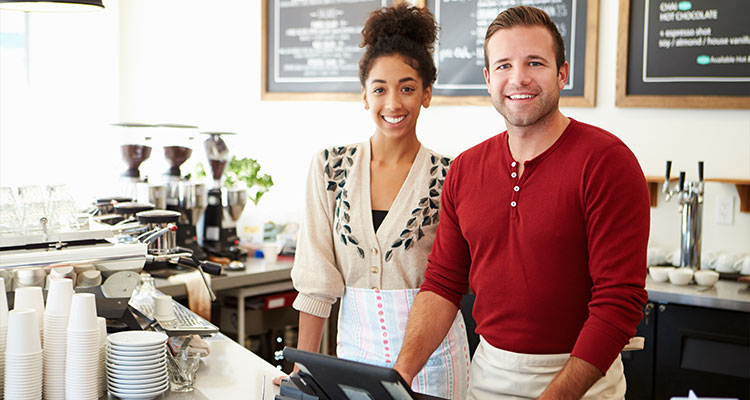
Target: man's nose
521, 75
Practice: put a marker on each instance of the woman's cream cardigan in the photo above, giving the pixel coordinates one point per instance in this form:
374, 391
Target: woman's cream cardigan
337, 244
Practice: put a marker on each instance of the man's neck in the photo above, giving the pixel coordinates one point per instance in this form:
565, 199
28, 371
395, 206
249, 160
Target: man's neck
527, 142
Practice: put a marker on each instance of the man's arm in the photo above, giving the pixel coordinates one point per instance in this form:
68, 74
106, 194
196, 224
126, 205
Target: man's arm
573, 381
430, 318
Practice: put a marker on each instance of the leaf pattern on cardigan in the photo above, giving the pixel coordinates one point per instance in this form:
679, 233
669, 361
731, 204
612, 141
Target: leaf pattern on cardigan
337, 162
427, 210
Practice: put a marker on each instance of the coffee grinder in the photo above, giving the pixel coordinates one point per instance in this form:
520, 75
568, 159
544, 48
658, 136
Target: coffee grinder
187, 198
135, 148
217, 229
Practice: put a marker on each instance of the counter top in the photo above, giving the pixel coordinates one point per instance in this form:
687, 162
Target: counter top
725, 295
231, 372
257, 272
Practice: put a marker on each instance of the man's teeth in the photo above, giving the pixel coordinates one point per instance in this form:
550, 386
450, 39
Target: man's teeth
521, 96
394, 120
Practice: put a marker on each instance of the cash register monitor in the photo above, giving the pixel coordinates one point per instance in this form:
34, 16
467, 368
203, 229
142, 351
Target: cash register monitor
349, 380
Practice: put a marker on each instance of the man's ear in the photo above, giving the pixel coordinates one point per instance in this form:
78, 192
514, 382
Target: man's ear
562, 75
487, 79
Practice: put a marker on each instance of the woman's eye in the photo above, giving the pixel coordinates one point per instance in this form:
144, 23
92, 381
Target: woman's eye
378, 90
408, 89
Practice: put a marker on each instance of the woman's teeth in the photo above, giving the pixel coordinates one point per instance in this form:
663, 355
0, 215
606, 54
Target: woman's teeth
394, 120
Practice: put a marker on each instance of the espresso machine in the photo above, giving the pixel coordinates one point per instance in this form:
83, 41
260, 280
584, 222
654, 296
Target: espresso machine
690, 195
187, 198
217, 229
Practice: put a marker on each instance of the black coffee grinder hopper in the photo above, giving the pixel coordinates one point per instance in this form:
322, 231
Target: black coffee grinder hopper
217, 228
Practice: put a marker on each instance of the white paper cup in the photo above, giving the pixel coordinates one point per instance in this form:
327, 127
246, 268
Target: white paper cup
59, 296
270, 252
23, 332
83, 313
31, 297
3, 304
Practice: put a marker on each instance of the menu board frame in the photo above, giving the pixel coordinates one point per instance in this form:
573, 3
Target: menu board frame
625, 99
590, 70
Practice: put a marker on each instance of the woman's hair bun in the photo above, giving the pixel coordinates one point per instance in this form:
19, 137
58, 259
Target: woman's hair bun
402, 21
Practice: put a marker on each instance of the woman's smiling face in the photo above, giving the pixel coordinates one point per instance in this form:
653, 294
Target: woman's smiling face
394, 93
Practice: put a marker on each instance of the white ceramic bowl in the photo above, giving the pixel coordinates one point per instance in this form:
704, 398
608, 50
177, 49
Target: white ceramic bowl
706, 277
680, 276
659, 274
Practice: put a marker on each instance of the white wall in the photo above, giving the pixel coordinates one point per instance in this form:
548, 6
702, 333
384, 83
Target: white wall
198, 62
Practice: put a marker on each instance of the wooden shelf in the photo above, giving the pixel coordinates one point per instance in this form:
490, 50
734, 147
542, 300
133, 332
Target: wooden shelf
743, 188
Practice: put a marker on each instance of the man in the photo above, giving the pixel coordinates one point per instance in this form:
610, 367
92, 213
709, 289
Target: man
548, 224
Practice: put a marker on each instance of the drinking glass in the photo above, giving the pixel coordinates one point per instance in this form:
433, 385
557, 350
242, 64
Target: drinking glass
9, 216
34, 201
183, 368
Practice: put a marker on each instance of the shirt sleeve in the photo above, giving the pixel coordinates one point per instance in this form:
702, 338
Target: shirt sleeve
617, 223
447, 273
315, 274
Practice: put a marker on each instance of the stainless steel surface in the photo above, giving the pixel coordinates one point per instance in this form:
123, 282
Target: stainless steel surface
725, 295
256, 273
236, 199
155, 194
192, 199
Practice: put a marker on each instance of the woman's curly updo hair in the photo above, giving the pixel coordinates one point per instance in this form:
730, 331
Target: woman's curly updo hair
404, 30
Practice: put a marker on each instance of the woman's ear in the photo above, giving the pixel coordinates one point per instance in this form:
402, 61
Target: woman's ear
364, 99
427, 97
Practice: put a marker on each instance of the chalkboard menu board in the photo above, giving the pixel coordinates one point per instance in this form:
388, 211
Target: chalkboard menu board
460, 53
311, 47
692, 54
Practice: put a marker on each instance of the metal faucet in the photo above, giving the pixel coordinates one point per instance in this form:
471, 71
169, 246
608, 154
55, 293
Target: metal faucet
691, 210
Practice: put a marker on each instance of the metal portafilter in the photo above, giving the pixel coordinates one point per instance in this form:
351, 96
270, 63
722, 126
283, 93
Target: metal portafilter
691, 210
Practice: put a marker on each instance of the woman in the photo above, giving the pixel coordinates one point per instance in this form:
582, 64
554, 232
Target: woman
372, 210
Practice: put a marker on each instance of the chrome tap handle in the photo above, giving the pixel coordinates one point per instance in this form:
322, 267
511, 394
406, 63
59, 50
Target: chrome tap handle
700, 171
669, 170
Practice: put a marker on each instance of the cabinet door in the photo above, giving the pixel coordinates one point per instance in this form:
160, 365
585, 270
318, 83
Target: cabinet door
703, 349
639, 365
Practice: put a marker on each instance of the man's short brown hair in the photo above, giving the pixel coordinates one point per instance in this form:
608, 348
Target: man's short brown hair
526, 16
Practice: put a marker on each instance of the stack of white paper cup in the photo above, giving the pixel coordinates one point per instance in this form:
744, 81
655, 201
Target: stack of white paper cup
31, 297
82, 356
55, 335
3, 330
101, 377
23, 356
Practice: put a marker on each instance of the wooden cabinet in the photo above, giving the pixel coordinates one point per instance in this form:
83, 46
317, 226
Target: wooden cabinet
703, 349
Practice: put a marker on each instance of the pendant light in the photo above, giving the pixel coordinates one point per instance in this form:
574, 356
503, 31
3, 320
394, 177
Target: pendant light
51, 5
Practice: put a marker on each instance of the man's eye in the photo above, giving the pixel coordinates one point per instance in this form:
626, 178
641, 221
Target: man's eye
535, 63
503, 66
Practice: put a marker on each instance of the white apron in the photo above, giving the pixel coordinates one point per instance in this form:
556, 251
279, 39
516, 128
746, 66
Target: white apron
500, 374
371, 329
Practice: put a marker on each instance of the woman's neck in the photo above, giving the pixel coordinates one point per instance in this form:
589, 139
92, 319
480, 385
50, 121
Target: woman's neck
392, 151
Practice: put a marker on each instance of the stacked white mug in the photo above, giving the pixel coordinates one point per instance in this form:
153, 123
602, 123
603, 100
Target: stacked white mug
23, 356
3, 330
56, 314
82, 356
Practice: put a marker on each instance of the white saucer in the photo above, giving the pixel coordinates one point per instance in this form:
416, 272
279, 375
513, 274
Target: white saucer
136, 353
125, 362
143, 381
137, 338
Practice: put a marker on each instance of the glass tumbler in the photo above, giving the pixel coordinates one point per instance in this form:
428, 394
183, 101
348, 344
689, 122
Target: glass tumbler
183, 368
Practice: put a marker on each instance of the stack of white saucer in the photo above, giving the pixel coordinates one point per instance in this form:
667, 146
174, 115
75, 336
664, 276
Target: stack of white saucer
23, 357
82, 356
137, 364
3, 330
56, 313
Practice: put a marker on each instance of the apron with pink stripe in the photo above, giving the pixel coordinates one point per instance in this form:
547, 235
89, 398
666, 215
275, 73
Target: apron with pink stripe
371, 329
